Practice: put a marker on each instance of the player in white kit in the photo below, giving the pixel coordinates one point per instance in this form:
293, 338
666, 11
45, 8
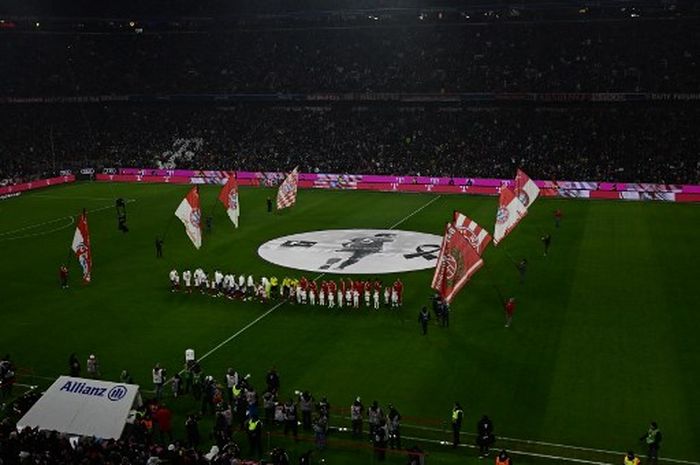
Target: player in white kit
174, 280
394, 298
356, 298
187, 278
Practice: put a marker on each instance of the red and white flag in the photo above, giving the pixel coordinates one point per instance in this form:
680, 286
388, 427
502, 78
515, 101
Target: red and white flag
526, 189
190, 214
81, 247
510, 211
229, 197
287, 193
477, 236
457, 263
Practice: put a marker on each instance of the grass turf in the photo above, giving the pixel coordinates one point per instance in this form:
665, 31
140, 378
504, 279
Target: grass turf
603, 339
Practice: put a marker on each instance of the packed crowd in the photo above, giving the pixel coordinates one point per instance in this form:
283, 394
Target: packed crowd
572, 56
345, 293
632, 142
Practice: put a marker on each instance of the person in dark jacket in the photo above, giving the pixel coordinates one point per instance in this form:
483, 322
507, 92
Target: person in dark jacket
423, 318
484, 435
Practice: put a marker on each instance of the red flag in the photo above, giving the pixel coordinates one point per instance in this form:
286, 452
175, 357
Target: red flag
510, 212
229, 197
457, 263
81, 247
190, 214
287, 193
477, 236
525, 188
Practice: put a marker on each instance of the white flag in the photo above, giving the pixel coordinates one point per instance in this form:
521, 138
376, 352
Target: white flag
191, 216
287, 193
510, 212
229, 197
525, 189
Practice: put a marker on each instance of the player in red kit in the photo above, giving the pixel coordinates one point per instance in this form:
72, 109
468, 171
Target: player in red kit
398, 286
557, 217
509, 309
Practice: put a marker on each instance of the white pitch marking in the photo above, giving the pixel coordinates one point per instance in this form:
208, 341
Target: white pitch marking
242, 330
414, 212
61, 197
518, 452
552, 444
37, 225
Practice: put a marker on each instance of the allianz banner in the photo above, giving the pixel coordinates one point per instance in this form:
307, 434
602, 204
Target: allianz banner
83, 407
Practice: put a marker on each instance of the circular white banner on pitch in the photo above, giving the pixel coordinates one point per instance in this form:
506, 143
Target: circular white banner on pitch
354, 251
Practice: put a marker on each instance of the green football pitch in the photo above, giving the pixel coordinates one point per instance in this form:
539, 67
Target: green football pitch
604, 338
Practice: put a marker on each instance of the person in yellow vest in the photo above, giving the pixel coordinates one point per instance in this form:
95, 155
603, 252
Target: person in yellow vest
503, 458
652, 439
457, 417
253, 428
274, 287
631, 459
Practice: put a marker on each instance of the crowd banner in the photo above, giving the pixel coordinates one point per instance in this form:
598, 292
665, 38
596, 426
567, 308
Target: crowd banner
387, 183
39, 184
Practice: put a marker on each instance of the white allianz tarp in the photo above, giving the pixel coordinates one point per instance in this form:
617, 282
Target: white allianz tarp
83, 407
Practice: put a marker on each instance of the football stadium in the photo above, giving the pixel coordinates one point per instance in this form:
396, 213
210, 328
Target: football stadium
401, 232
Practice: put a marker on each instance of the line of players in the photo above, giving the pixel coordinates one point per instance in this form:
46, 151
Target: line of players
346, 293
